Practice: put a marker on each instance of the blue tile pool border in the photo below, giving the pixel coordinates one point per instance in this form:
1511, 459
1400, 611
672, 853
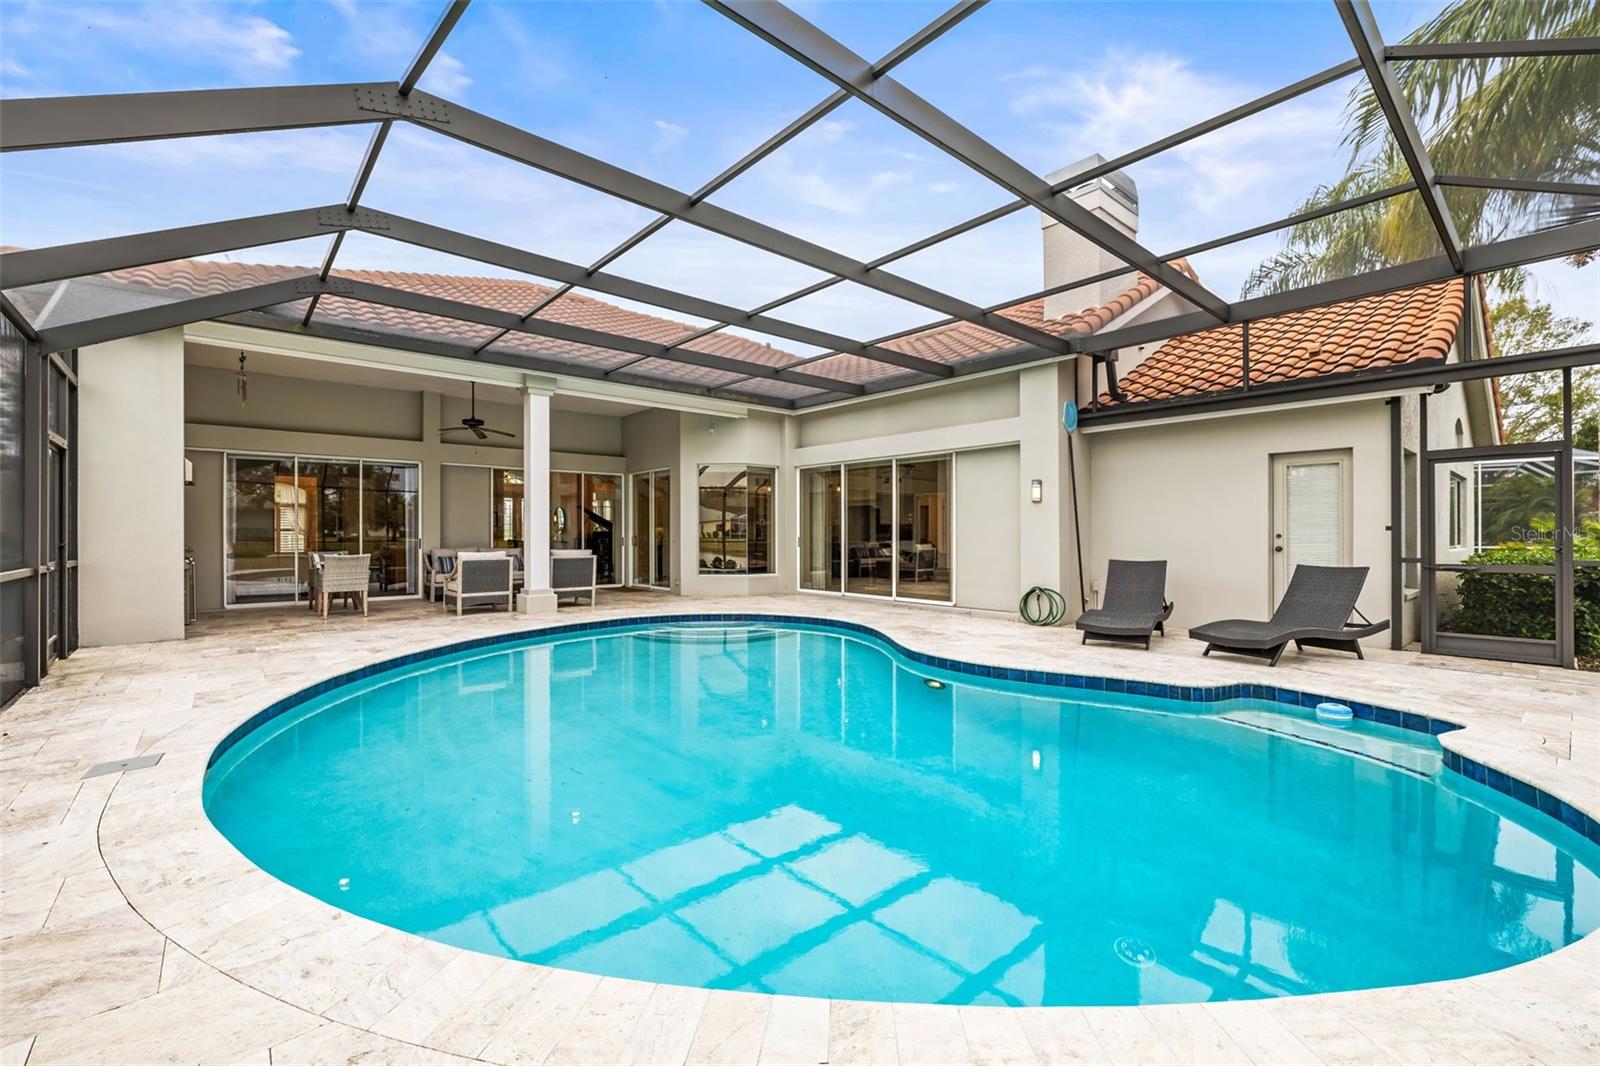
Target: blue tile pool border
1521, 791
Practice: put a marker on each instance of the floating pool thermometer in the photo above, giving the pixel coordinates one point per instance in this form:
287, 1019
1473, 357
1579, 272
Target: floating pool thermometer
1334, 713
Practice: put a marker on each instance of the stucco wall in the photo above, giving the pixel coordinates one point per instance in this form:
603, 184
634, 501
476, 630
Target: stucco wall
464, 503
296, 416
987, 529
274, 402
1198, 493
1003, 431
130, 490
202, 527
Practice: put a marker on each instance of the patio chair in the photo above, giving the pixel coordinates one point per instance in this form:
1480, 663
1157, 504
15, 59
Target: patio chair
1133, 606
572, 573
479, 577
1314, 612
437, 563
343, 575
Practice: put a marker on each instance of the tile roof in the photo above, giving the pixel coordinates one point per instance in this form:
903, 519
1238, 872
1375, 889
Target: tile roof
200, 277
958, 342
1393, 328
951, 343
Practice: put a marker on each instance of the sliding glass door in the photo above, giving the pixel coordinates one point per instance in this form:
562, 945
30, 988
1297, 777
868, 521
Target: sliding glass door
599, 518
821, 537
389, 525
878, 529
263, 512
869, 529
652, 529
584, 512
922, 524
279, 509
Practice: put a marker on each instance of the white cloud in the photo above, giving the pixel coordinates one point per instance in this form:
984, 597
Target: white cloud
1243, 174
818, 190
668, 136
829, 131
245, 45
244, 42
321, 151
447, 76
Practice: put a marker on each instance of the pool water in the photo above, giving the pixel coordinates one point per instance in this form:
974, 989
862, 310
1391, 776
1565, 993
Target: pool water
797, 810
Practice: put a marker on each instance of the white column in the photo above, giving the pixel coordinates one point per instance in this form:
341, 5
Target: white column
130, 490
536, 597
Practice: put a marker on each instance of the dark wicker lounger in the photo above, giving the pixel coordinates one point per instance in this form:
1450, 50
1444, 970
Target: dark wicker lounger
1134, 604
1314, 612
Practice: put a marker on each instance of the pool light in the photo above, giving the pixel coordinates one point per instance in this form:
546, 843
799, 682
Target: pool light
933, 682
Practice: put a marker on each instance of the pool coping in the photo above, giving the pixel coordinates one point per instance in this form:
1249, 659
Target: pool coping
351, 977
1522, 791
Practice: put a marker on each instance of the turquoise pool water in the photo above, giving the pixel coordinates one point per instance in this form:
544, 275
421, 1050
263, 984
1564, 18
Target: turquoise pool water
797, 810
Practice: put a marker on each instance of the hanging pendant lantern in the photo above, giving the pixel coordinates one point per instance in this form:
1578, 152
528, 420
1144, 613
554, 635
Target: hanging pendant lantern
242, 382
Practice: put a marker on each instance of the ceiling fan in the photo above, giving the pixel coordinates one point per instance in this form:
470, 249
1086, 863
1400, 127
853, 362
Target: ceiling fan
474, 423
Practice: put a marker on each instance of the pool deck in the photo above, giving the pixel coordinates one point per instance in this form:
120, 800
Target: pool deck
133, 932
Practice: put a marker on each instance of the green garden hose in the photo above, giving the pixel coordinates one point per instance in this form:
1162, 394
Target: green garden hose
1040, 606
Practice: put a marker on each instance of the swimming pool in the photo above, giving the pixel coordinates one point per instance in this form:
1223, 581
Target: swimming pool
805, 810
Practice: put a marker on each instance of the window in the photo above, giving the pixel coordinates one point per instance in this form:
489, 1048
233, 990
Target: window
878, 529
1458, 509
281, 508
584, 509
507, 491
736, 519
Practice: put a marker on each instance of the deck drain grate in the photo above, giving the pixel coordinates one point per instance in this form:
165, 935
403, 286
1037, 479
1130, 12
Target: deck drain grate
116, 766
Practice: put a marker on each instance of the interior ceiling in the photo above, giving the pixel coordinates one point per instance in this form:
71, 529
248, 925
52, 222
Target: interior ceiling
210, 355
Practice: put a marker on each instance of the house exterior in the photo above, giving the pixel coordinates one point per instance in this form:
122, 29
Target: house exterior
963, 492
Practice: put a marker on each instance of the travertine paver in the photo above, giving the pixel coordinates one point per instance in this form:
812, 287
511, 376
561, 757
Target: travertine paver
131, 931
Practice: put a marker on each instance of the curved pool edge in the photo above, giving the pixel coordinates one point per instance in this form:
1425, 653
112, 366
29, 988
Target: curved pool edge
176, 872
1538, 799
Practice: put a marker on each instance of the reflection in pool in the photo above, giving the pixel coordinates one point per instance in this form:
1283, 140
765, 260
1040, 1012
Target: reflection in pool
796, 810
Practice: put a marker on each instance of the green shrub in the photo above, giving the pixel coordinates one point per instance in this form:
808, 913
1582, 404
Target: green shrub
1524, 605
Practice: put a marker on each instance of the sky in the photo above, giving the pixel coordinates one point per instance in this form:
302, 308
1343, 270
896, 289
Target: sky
675, 92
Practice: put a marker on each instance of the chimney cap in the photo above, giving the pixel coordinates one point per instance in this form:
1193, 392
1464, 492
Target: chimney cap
1117, 182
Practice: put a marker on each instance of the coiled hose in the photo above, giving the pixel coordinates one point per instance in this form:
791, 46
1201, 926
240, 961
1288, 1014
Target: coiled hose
1040, 606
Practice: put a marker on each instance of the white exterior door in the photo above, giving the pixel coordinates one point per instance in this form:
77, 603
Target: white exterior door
1311, 496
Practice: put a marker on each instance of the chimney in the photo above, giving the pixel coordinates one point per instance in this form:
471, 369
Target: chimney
1112, 198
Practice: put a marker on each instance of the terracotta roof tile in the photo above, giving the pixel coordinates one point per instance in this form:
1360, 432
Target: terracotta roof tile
1389, 329
201, 277
951, 343
956, 342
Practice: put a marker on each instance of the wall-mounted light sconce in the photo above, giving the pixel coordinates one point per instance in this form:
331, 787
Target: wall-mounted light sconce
1036, 491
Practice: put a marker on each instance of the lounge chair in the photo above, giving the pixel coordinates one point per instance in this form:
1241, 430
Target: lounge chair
1314, 612
1134, 604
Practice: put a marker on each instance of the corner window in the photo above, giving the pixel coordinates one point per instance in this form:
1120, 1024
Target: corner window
736, 519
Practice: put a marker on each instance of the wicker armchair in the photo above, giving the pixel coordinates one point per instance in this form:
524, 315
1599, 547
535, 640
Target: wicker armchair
480, 577
342, 575
572, 573
437, 564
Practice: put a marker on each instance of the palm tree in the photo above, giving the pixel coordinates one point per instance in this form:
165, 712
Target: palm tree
1532, 118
